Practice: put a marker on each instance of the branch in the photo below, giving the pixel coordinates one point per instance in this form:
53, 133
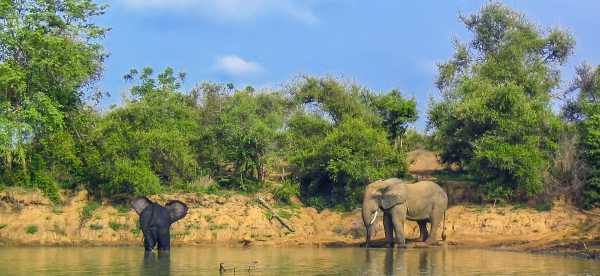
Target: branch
266, 205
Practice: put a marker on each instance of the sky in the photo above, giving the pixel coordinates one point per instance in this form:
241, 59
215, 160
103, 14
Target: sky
382, 45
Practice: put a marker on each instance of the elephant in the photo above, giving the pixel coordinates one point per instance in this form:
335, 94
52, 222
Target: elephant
399, 200
156, 220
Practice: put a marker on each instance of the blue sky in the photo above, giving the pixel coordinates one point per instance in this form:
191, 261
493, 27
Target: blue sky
382, 44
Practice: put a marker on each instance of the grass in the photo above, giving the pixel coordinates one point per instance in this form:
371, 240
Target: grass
180, 234
96, 226
31, 229
122, 209
209, 218
117, 226
89, 209
214, 226
3, 225
136, 231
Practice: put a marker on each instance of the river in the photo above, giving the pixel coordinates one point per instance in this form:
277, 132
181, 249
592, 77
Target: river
205, 260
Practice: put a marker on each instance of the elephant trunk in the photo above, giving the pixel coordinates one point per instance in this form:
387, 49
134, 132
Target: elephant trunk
369, 220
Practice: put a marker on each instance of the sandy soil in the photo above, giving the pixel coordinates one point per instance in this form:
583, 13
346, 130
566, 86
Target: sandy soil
28, 218
240, 220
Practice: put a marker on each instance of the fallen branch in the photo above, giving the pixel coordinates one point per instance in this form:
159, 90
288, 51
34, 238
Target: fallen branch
275, 215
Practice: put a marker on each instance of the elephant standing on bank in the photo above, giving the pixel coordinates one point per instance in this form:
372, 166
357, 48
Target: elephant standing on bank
423, 202
156, 220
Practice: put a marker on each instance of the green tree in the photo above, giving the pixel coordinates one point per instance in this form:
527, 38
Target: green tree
396, 113
148, 141
49, 55
494, 116
584, 110
338, 143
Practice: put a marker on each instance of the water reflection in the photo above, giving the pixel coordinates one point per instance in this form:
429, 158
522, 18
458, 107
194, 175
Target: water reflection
428, 261
204, 260
156, 263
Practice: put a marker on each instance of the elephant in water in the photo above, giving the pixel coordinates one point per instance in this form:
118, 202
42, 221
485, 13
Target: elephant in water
423, 201
156, 220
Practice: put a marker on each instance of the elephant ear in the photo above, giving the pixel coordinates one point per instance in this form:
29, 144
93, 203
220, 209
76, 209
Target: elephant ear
177, 210
140, 203
393, 195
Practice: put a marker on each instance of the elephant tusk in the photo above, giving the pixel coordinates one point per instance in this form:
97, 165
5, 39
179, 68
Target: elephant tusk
374, 217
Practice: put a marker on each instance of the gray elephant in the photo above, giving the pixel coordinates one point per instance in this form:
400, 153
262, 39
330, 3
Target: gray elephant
399, 200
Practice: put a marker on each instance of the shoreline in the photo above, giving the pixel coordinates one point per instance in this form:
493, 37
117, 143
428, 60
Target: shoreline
27, 219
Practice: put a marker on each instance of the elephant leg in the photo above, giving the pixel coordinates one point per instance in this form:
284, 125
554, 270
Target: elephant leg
164, 239
436, 219
423, 230
398, 219
149, 239
388, 226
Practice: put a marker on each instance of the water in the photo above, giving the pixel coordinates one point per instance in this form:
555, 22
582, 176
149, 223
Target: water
285, 261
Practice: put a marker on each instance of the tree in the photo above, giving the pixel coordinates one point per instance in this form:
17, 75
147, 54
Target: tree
338, 143
396, 113
494, 116
584, 110
147, 143
49, 55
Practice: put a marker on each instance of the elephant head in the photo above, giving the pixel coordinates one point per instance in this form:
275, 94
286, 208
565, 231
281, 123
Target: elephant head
156, 220
379, 196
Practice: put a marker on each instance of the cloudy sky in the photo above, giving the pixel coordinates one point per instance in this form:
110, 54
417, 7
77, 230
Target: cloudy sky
382, 44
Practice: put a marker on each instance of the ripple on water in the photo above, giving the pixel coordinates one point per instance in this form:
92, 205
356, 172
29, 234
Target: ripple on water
286, 261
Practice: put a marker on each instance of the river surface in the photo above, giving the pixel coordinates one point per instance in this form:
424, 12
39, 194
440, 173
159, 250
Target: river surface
285, 261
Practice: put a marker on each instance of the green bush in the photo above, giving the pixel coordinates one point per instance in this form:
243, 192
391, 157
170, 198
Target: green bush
494, 117
88, 210
31, 229
286, 190
95, 226
115, 226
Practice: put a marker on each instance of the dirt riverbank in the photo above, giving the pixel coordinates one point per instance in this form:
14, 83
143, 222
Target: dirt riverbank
28, 218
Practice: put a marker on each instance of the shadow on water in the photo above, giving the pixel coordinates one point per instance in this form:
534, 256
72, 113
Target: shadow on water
156, 263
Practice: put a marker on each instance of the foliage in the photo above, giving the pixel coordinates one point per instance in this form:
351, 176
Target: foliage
115, 226
584, 110
88, 210
147, 141
494, 117
49, 56
286, 190
95, 226
336, 150
31, 229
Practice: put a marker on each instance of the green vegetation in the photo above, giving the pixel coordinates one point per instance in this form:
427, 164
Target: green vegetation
324, 139
494, 117
3, 225
31, 229
88, 210
115, 226
96, 226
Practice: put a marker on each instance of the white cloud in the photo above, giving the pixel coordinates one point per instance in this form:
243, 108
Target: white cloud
229, 10
235, 65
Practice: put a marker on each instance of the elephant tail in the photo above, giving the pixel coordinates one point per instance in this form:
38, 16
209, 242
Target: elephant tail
444, 227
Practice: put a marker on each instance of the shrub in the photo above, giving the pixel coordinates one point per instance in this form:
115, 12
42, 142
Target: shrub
286, 190
95, 226
31, 229
88, 210
115, 226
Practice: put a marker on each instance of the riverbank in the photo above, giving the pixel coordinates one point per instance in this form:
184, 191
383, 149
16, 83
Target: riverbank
28, 218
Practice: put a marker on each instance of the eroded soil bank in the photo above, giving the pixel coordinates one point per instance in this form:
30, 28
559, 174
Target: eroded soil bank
28, 218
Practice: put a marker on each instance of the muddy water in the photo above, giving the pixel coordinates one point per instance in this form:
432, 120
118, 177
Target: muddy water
285, 261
